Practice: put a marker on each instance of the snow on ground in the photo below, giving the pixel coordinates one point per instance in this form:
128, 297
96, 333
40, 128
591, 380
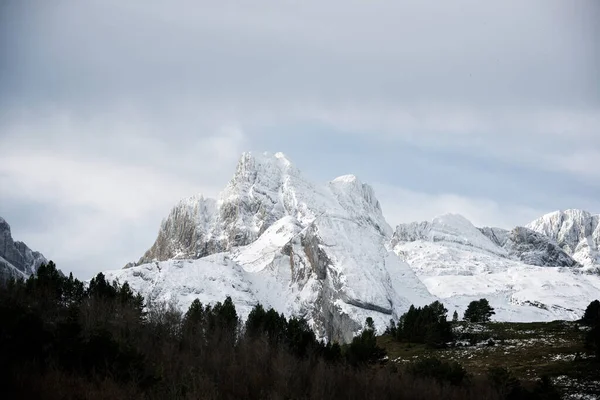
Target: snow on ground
210, 279
458, 274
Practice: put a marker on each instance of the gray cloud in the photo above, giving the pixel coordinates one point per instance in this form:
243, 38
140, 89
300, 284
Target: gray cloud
113, 110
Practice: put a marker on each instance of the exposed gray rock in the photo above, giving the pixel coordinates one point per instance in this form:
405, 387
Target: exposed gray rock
536, 249
530, 247
198, 226
498, 236
411, 232
16, 259
577, 232
185, 233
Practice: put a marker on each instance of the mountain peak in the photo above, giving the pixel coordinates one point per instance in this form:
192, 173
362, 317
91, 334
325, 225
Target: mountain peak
452, 219
576, 231
4, 226
346, 179
250, 160
262, 169
317, 250
568, 213
16, 259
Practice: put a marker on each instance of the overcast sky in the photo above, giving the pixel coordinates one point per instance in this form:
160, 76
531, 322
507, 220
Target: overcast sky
111, 110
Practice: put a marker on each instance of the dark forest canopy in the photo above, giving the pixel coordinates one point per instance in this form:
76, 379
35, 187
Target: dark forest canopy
62, 340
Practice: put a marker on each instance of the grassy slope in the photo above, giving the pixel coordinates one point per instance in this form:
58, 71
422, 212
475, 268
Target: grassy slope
529, 350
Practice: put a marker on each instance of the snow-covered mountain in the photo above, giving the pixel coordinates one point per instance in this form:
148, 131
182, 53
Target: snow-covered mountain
325, 252
318, 251
577, 232
524, 272
16, 259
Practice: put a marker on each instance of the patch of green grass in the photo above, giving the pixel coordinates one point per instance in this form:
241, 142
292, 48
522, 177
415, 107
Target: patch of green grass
403, 350
529, 350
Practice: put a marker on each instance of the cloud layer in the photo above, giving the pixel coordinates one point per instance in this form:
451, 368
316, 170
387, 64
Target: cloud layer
111, 111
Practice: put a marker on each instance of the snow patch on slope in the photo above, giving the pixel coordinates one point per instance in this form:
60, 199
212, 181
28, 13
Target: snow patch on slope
452, 230
209, 279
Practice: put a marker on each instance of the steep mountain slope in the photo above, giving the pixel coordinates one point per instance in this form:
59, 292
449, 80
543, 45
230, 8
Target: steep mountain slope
577, 232
318, 251
16, 259
530, 247
525, 274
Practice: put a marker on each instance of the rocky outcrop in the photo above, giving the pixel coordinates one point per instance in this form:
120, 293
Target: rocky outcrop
498, 236
16, 259
252, 201
530, 247
577, 232
185, 233
533, 248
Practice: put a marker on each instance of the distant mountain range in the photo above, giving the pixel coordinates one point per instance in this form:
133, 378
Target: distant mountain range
325, 252
16, 259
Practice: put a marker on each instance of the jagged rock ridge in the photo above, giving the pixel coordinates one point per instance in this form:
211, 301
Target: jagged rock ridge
16, 259
577, 232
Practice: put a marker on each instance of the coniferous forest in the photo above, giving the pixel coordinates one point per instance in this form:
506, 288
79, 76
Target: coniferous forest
61, 339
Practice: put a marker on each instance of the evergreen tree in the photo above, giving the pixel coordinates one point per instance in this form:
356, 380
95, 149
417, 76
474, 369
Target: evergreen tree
100, 288
591, 316
479, 311
425, 325
269, 323
194, 320
592, 340
73, 290
299, 336
391, 329
455, 316
363, 349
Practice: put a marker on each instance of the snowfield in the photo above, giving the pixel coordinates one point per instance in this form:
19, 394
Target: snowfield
459, 263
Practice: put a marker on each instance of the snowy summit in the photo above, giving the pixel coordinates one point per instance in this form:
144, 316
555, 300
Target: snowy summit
318, 251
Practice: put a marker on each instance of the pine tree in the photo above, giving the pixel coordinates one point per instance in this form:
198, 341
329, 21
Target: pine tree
455, 316
479, 311
425, 325
363, 349
591, 316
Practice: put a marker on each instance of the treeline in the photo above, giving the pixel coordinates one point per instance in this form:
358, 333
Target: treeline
62, 340
426, 324
430, 325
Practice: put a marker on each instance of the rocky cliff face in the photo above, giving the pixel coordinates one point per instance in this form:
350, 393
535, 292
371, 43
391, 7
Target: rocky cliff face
530, 247
185, 233
318, 251
577, 232
16, 259
262, 191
